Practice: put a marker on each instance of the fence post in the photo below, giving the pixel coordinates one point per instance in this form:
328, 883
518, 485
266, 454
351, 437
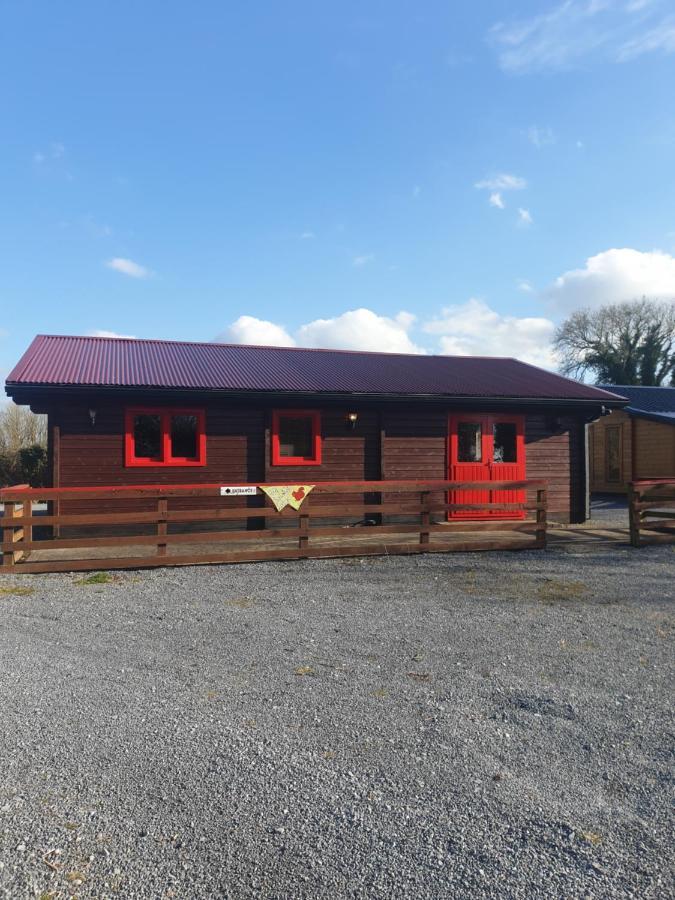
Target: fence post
540, 531
162, 508
303, 524
634, 494
11, 533
425, 519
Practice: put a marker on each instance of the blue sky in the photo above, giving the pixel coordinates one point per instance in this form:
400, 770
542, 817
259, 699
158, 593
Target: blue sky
438, 177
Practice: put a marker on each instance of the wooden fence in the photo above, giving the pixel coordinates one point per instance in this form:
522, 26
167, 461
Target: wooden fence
651, 511
408, 523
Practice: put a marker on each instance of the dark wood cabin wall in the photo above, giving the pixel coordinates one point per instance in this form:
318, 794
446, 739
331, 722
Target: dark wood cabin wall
390, 443
94, 455
556, 454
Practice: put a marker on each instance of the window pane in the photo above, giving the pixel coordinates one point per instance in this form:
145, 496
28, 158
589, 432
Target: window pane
184, 436
504, 438
147, 437
295, 436
613, 450
469, 442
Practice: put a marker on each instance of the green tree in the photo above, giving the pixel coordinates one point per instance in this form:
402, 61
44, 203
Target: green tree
23, 446
622, 343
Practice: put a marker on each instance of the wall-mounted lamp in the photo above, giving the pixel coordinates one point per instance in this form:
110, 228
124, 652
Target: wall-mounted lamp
92, 417
352, 419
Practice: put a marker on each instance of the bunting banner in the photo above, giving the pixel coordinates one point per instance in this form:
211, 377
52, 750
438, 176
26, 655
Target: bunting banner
283, 495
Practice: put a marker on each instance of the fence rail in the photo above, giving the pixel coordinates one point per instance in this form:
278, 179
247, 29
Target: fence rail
309, 532
651, 511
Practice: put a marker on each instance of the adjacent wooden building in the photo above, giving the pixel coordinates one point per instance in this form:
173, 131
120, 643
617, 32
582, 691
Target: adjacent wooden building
136, 412
635, 443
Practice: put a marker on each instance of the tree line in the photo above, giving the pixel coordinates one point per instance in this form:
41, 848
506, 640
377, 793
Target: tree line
622, 343
23, 446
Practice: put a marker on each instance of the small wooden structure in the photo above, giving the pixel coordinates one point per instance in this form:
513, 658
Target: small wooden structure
151, 525
651, 510
635, 443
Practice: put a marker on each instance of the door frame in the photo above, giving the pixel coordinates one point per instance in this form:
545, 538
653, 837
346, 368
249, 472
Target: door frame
487, 420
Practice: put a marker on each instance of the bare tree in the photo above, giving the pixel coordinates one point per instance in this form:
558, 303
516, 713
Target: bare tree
20, 428
622, 343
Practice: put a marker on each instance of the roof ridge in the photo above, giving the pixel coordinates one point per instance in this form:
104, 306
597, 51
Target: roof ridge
133, 340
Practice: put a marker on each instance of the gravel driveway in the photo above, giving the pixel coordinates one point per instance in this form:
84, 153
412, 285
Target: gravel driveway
485, 725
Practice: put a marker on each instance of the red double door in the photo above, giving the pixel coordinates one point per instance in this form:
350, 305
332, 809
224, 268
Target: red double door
486, 448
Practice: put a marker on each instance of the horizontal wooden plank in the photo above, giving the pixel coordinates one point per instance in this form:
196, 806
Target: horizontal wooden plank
198, 490
655, 504
141, 562
196, 537
448, 528
647, 538
646, 527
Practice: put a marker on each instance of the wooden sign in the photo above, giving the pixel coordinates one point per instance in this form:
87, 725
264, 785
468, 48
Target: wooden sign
234, 490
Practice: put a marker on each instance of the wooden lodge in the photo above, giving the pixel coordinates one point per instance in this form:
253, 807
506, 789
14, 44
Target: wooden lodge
635, 443
180, 447
133, 412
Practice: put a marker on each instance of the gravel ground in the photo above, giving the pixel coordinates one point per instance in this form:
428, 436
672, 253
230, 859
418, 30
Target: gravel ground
486, 725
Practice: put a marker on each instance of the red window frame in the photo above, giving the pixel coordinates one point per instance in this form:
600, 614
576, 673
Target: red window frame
166, 460
315, 418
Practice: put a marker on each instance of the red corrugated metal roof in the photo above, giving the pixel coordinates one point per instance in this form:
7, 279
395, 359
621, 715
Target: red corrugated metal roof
127, 363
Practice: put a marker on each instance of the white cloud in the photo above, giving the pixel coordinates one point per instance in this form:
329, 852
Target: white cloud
474, 329
128, 267
360, 261
540, 137
661, 37
615, 276
502, 182
497, 200
307, 236
356, 329
525, 286
417, 190
576, 31
361, 329
249, 330
101, 332
55, 151
524, 217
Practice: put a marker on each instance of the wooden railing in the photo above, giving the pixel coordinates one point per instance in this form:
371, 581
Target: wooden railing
417, 508
651, 511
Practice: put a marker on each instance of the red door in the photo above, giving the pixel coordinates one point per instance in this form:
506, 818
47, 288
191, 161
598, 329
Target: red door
486, 448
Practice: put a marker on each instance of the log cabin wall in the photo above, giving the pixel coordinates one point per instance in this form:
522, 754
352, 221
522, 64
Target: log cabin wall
654, 449
388, 442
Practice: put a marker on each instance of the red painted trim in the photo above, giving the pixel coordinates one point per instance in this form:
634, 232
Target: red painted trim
277, 458
166, 460
492, 471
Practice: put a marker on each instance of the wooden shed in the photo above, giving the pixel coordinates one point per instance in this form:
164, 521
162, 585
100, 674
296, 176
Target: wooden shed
132, 412
635, 443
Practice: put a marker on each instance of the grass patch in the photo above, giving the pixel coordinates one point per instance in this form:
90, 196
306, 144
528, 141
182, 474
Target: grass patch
592, 837
241, 602
555, 591
96, 578
304, 670
17, 591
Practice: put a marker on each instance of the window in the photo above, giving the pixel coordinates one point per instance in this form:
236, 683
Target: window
165, 437
613, 453
296, 438
469, 442
504, 442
